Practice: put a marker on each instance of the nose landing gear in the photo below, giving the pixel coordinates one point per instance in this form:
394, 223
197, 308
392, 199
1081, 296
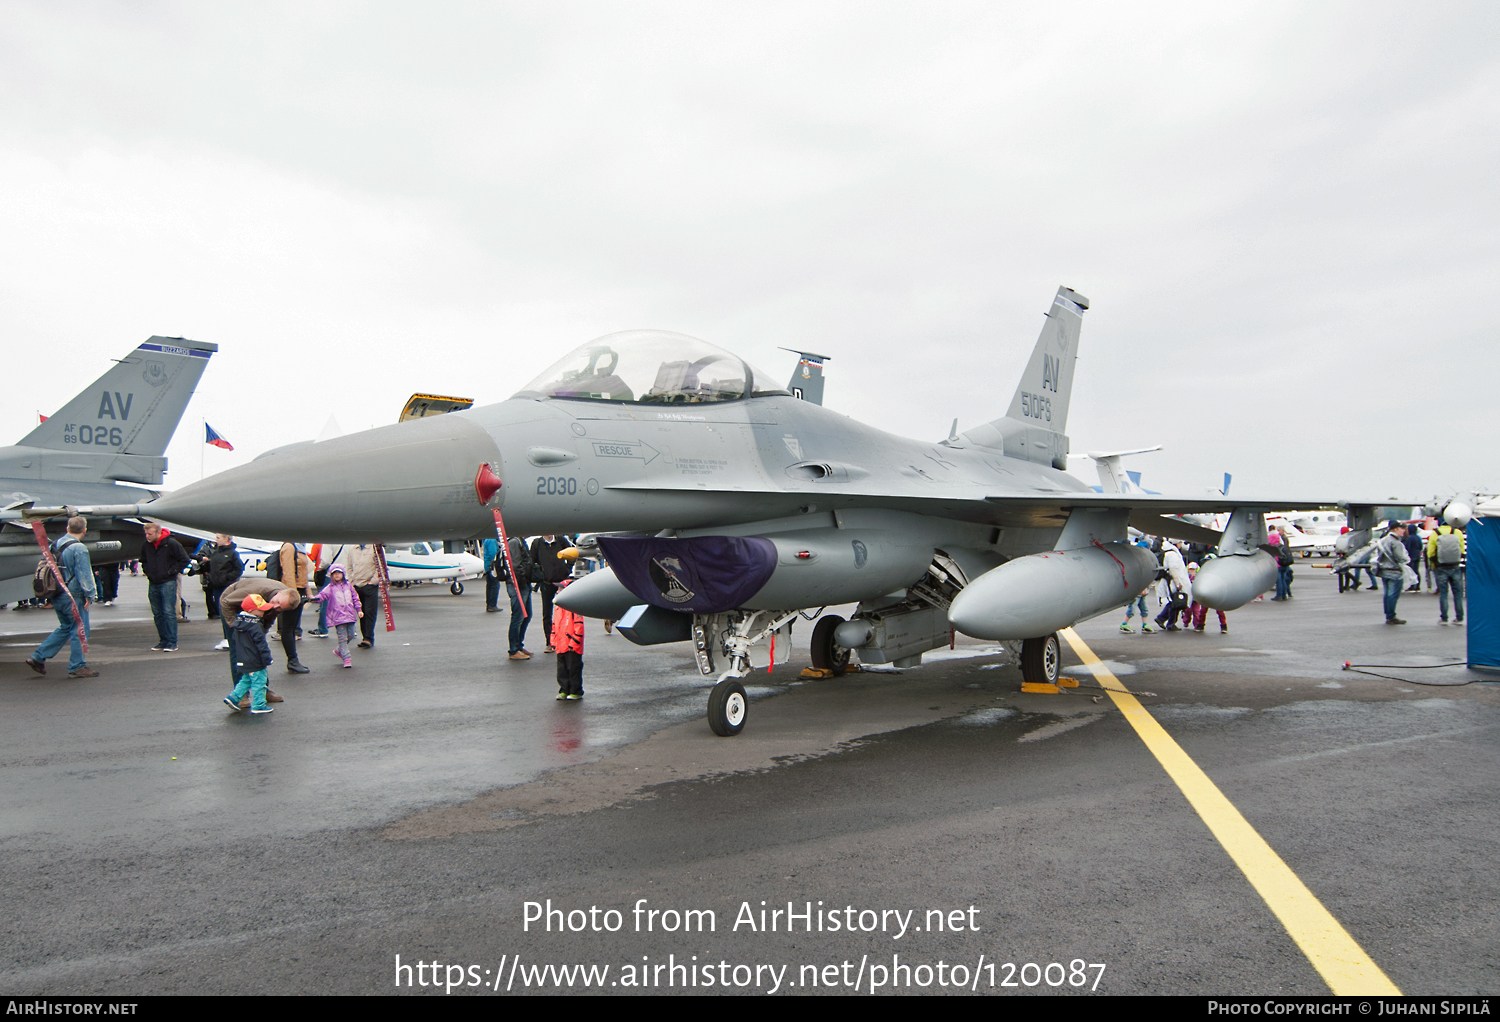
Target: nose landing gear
726, 708
733, 633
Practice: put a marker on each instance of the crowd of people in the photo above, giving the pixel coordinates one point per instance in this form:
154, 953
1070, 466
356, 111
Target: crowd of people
348, 595
1392, 563
1401, 557
1177, 566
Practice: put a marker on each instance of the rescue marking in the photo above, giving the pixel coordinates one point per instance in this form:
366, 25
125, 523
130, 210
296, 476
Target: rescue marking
1339, 959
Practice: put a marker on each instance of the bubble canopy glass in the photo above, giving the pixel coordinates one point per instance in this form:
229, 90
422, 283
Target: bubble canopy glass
651, 367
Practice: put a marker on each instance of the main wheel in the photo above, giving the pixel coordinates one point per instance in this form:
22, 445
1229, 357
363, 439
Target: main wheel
828, 655
1041, 660
726, 708
457, 588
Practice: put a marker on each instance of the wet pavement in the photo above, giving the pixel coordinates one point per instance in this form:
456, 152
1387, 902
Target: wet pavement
414, 805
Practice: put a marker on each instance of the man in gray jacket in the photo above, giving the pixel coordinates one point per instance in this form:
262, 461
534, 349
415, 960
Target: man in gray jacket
78, 575
1391, 560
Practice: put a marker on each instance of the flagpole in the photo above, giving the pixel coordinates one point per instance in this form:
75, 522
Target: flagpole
200, 450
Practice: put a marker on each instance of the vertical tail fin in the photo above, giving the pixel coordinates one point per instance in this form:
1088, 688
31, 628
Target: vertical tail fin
1033, 427
807, 379
1042, 396
134, 407
118, 428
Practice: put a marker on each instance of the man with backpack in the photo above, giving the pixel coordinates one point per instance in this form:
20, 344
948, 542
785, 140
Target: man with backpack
1281, 548
1445, 552
72, 559
1177, 594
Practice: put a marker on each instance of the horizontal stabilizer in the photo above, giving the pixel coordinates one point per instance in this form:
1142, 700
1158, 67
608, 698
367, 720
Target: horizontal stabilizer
1112, 477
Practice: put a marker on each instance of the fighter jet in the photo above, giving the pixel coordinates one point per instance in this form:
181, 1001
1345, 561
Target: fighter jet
730, 508
116, 431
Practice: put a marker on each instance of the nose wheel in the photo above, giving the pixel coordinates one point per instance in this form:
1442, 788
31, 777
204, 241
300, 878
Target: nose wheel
457, 588
726, 708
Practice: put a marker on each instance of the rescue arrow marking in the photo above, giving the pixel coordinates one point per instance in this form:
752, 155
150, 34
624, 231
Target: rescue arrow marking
625, 449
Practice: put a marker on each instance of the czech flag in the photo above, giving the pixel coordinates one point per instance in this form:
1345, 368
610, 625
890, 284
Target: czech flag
215, 440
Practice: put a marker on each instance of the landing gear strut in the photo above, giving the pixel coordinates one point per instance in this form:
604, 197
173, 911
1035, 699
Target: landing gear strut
1041, 660
732, 634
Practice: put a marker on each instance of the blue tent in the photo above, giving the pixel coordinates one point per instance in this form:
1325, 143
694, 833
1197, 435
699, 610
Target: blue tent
1483, 538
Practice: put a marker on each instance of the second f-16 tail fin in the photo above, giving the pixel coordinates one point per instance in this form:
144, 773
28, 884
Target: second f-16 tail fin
119, 426
807, 378
1033, 427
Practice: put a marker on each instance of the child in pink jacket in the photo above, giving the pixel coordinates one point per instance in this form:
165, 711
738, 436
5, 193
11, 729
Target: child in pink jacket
342, 602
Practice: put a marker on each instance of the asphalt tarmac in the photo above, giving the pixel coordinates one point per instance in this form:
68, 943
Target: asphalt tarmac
156, 843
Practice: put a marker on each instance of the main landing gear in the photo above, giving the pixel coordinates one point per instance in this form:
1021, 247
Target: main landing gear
1041, 660
828, 655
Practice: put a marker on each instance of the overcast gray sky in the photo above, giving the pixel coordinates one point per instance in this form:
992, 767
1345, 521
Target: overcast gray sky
1284, 214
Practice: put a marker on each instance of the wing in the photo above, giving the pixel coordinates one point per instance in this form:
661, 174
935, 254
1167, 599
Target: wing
1040, 510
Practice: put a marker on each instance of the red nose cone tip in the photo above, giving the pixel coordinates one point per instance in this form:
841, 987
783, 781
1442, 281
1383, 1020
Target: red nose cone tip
486, 483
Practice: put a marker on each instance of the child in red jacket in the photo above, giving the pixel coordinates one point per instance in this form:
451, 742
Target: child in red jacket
567, 640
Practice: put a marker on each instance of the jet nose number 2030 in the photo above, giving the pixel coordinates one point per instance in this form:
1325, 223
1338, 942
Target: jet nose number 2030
556, 486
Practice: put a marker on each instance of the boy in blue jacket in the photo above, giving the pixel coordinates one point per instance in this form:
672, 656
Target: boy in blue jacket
254, 656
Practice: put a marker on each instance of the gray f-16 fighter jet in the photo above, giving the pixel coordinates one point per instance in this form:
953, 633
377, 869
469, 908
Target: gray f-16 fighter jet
114, 432
735, 507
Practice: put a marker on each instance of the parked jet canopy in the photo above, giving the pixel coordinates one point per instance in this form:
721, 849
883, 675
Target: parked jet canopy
651, 367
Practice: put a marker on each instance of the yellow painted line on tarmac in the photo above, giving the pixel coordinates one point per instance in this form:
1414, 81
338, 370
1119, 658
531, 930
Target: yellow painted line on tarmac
1339, 959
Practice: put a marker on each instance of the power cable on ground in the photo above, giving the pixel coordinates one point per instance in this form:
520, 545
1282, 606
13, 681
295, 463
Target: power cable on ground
1411, 667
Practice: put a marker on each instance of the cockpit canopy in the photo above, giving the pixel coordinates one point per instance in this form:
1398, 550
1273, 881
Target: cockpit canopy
651, 367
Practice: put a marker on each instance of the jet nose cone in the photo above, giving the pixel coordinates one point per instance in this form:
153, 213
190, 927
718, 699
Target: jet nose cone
412, 480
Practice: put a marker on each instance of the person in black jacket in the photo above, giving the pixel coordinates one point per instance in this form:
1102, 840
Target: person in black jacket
519, 589
1415, 549
221, 567
253, 656
544, 551
162, 558
107, 582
